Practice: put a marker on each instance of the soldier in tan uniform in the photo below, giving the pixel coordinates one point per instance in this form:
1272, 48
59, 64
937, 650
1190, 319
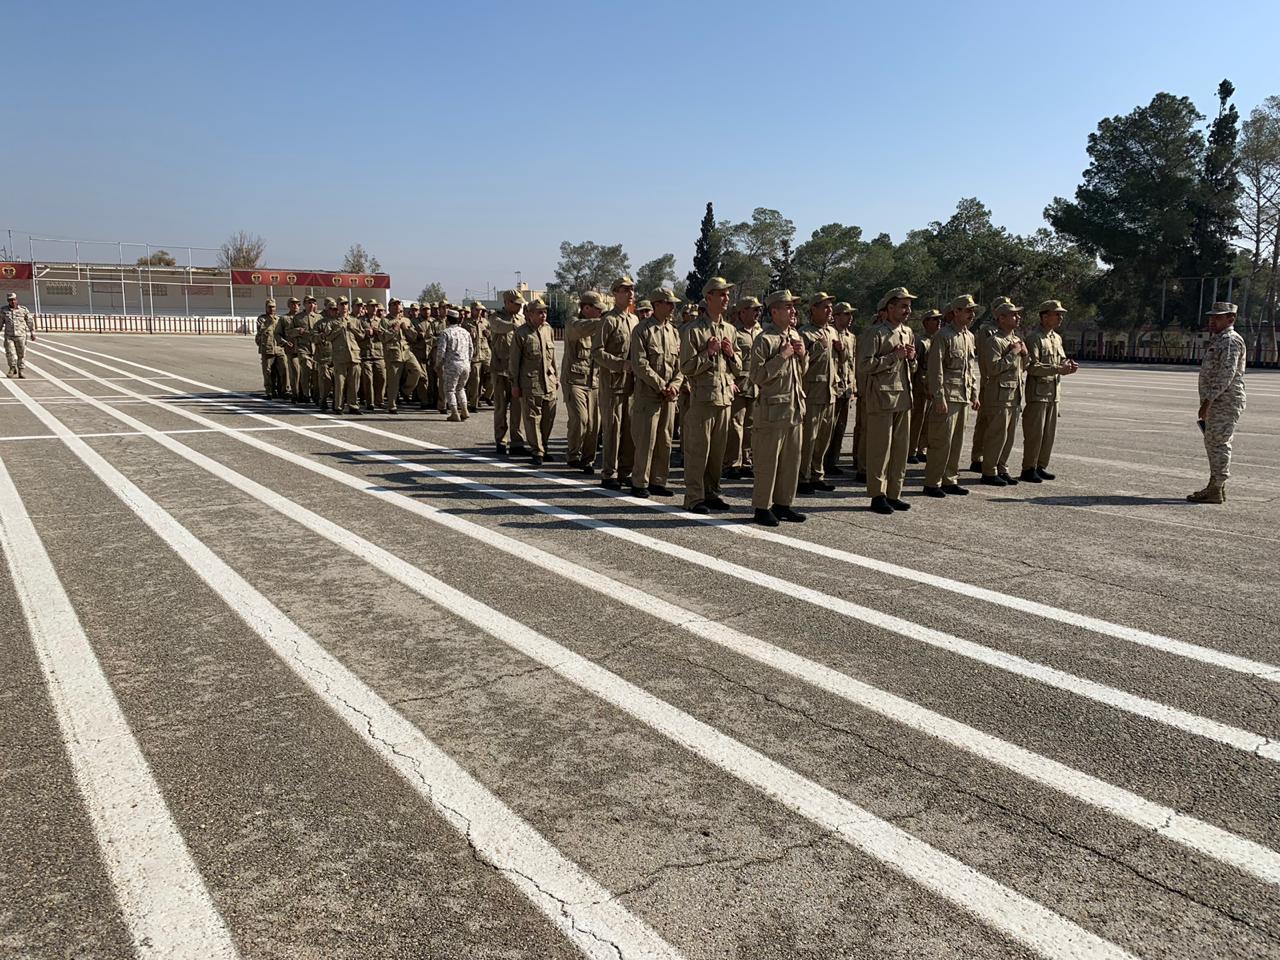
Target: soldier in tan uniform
404, 373
886, 360
1047, 364
477, 324
344, 340
930, 321
846, 347
821, 386
320, 334
579, 382
655, 363
777, 371
710, 365
373, 366
1002, 357
860, 407
737, 451
534, 382
506, 408
980, 334
644, 310
951, 387
284, 338
275, 375
302, 335
612, 348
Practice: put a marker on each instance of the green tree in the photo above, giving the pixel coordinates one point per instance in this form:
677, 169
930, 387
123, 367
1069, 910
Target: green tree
590, 266
1259, 216
706, 255
242, 251
433, 292
158, 258
359, 260
829, 249
658, 272
783, 275
751, 245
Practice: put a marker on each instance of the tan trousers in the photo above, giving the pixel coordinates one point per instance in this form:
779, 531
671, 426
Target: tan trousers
946, 443
305, 378
275, 371
919, 420
346, 384
980, 432
373, 382
997, 440
322, 380
539, 418
860, 434
705, 432
295, 373
839, 426
815, 437
1039, 427
887, 438
506, 412
737, 450
402, 375
776, 462
651, 425
479, 375
615, 424
584, 423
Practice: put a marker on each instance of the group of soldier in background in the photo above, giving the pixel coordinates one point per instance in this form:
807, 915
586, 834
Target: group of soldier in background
770, 402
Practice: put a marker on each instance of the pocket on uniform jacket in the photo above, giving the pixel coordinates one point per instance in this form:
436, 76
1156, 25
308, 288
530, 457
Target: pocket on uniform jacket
889, 397
1044, 387
1007, 392
777, 409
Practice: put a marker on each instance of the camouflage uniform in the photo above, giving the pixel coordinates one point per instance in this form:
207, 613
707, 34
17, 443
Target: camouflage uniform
1222, 391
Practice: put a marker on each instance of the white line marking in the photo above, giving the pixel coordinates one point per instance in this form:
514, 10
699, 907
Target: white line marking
166, 906
579, 906
135, 433
1220, 844
999, 906
1097, 625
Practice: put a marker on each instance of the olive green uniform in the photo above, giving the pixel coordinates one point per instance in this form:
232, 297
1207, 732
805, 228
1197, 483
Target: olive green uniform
284, 339
887, 388
302, 333
705, 425
481, 357
612, 347
1046, 357
920, 398
532, 368
655, 362
580, 389
506, 411
737, 451
777, 418
821, 386
1002, 368
845, 396
951, 375
344, 341
980, 421
404, 372
373, 367
271, 354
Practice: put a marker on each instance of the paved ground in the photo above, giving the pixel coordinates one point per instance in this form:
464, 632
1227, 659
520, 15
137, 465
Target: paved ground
363, 692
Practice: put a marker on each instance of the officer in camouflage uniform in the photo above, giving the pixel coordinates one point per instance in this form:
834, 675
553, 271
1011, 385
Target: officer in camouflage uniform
1047, 364
1222, 398
19, 326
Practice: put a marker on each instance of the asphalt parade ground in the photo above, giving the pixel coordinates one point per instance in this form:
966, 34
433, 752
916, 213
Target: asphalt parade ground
276, 684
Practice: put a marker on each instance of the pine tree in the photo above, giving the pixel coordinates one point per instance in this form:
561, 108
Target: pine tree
784, 268
706, 255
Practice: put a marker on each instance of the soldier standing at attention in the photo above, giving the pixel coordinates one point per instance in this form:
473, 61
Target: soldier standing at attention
1047, 364
579, 385
284, 338
1222, 398
373, 366
19, 326
886, 360
453, 358
302, 333
821, 383
612, 348
710, 365
421, 344
404, 373
272, 354
478, 327
655, 363
344, 341
534, 381
506, 409
324, 354
952, 388
980, 421
846, 347
930, 320
1002, 357
777, 372
737, 452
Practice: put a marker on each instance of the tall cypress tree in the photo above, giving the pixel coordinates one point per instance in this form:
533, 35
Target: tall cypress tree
706, 256
784, 268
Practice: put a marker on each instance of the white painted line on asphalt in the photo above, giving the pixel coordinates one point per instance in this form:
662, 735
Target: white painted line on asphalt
135, 433
1220, 844
1097, 625
166, 906
579, 906
1001, 907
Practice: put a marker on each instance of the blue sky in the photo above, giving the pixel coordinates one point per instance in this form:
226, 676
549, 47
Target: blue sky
463, 142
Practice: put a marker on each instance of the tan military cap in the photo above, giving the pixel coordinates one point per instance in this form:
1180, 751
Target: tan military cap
330, 302
271, 303
1007, 308
746, 302
820, 297
844, 307
1051, 306
592, 298
623, 281
664, 295
1220, 309
357, 300
511, 296
536, 303
342, 300
294, 300
309, 298
963, 302
932, 314
714, 284
780, 296
898, 293
997, 301
644, 305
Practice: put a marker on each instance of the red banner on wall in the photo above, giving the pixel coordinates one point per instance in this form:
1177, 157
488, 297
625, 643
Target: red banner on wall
15, 271
260, 277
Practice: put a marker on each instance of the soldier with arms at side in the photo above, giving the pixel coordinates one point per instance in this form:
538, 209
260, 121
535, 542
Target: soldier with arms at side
980, 334
19, 327
1222, 398
951, 385
579, 382
506, 409
612, 348
534, 381
1047, 364
275, 376
344, 340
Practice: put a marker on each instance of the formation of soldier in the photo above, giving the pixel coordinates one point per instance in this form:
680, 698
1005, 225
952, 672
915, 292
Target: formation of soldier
712, 387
